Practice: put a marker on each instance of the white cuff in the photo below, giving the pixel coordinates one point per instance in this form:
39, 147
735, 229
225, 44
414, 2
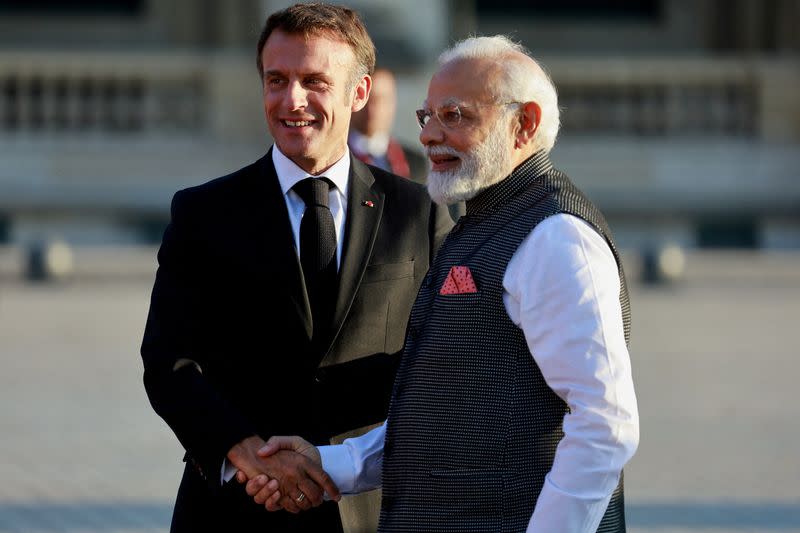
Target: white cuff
228, 471
557, 510
338, 463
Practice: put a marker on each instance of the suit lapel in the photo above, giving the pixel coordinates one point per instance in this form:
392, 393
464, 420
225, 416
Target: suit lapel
273, 216
364, 211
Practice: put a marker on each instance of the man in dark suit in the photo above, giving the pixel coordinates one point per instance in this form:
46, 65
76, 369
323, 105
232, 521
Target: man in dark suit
294, 274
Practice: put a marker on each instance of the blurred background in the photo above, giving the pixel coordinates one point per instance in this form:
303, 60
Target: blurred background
681, 119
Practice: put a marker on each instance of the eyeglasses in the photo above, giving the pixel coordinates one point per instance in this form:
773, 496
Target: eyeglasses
450, 115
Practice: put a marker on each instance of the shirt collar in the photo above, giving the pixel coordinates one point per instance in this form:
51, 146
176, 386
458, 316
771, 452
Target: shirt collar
289, 173
504, 191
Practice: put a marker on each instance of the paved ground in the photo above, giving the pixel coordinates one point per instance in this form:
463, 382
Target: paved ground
716, 361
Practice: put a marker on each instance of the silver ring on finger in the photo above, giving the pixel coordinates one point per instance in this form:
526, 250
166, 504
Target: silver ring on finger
300, 498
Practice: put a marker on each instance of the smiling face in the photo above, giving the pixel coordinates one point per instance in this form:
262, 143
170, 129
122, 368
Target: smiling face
309, 96
477, 153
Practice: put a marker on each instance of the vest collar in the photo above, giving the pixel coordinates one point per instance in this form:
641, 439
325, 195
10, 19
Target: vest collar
502, 192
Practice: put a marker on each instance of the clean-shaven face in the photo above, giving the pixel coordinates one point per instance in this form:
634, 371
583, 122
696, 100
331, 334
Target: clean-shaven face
309, 97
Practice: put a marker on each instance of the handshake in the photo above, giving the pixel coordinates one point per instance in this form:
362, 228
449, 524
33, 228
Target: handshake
282, 473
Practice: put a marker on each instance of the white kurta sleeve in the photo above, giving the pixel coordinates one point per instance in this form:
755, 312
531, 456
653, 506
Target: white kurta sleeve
562, 289
355, 465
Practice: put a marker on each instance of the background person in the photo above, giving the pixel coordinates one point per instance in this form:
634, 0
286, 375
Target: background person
370, 136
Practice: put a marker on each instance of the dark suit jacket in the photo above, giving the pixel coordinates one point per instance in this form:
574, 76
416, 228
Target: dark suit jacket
227, 351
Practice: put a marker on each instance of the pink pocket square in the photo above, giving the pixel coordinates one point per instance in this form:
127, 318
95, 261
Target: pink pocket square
459, 281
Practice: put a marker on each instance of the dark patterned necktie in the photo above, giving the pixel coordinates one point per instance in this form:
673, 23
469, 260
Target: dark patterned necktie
318, 252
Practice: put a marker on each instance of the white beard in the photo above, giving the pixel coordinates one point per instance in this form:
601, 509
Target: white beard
488, 163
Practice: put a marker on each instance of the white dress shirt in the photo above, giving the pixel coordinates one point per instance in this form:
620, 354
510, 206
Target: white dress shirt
289, 174
562, 290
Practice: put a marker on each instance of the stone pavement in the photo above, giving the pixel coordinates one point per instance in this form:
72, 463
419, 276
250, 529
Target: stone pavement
715, 360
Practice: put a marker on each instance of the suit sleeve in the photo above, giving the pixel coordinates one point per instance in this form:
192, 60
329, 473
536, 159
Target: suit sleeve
205, 424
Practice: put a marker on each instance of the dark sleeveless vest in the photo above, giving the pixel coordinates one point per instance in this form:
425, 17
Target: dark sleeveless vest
473, 427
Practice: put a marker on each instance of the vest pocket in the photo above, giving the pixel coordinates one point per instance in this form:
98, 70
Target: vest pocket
388, 271
458, 301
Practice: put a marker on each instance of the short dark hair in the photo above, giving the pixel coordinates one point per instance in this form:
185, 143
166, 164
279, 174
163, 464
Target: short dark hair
334, 21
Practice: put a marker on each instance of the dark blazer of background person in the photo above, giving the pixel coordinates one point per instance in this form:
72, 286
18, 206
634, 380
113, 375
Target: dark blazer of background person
398, 158
229, 328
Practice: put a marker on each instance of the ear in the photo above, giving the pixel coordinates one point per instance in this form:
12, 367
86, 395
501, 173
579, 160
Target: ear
361, 93
529, 119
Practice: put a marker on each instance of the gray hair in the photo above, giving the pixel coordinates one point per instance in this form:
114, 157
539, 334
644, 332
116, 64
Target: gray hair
519, 85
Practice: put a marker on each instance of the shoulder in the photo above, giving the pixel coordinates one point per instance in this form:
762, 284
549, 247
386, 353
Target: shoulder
222, 189
563, 257
570, 241
564, 228
556, 190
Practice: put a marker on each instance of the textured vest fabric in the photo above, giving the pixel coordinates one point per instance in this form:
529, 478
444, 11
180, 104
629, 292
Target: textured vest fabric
473, 427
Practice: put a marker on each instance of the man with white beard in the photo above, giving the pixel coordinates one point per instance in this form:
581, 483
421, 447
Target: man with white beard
514, 407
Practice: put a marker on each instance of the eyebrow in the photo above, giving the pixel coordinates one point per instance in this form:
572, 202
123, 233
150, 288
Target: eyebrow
449, 101
274, 72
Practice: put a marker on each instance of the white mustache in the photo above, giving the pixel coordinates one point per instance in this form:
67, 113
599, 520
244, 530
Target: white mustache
442, 150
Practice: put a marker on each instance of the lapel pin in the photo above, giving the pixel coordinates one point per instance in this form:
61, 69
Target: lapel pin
368, 203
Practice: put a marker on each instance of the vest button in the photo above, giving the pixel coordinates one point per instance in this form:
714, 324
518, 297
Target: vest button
320, 376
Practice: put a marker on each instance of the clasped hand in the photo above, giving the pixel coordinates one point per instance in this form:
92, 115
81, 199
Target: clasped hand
283, 473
